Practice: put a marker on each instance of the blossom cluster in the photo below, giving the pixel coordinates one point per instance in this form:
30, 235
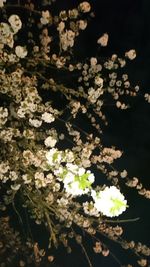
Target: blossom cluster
50, 165
110, 201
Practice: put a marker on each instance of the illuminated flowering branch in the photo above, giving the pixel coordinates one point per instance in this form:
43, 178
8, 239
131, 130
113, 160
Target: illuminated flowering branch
50, 165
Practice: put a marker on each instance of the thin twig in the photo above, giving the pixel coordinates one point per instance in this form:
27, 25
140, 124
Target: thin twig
53, 237
16, 211
122, 221
86, 255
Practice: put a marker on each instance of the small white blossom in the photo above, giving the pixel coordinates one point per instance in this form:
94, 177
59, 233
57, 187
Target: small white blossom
98, 81
50, 198
48, 117
36, 123
131, 54
76, 180
4, 167
26, 178
123, 174
21, 51
13, 176
73, 13
2, 3
15, 23
15, 187
84, 7
3, 115
53, 156
49, 178
90, 209
21, 113
56, 187
110, 202
29, 134
82, 24
74, 189
67, 39
61, 26
40, 180
103, 40
93, 61
62, 202
4, 30
50, 141
147, 97
46, 17
69, 156
6, 35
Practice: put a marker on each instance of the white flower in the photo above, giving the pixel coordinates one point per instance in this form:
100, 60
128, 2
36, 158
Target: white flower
74, 189
21, 113
3, 112
69, 156
50, 198
39, 175
48, 117
58, 171
15, 187
91, 177
147, 97
110, 202
15, 23
36, 123
46, 17
90, 209
21, 51
67, 39
82, 24
6, 35
40, 180
62, 202
72, 167
69, 178
93, 61
53, 156
76, 180
49, 178
26, 178
4, 30
73, 13
56, 187
103, 40
123, 174
13, 175
61, 26
98, 81
131, 54
50, 141
3, 168
3, 115
2, 3
84, 7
